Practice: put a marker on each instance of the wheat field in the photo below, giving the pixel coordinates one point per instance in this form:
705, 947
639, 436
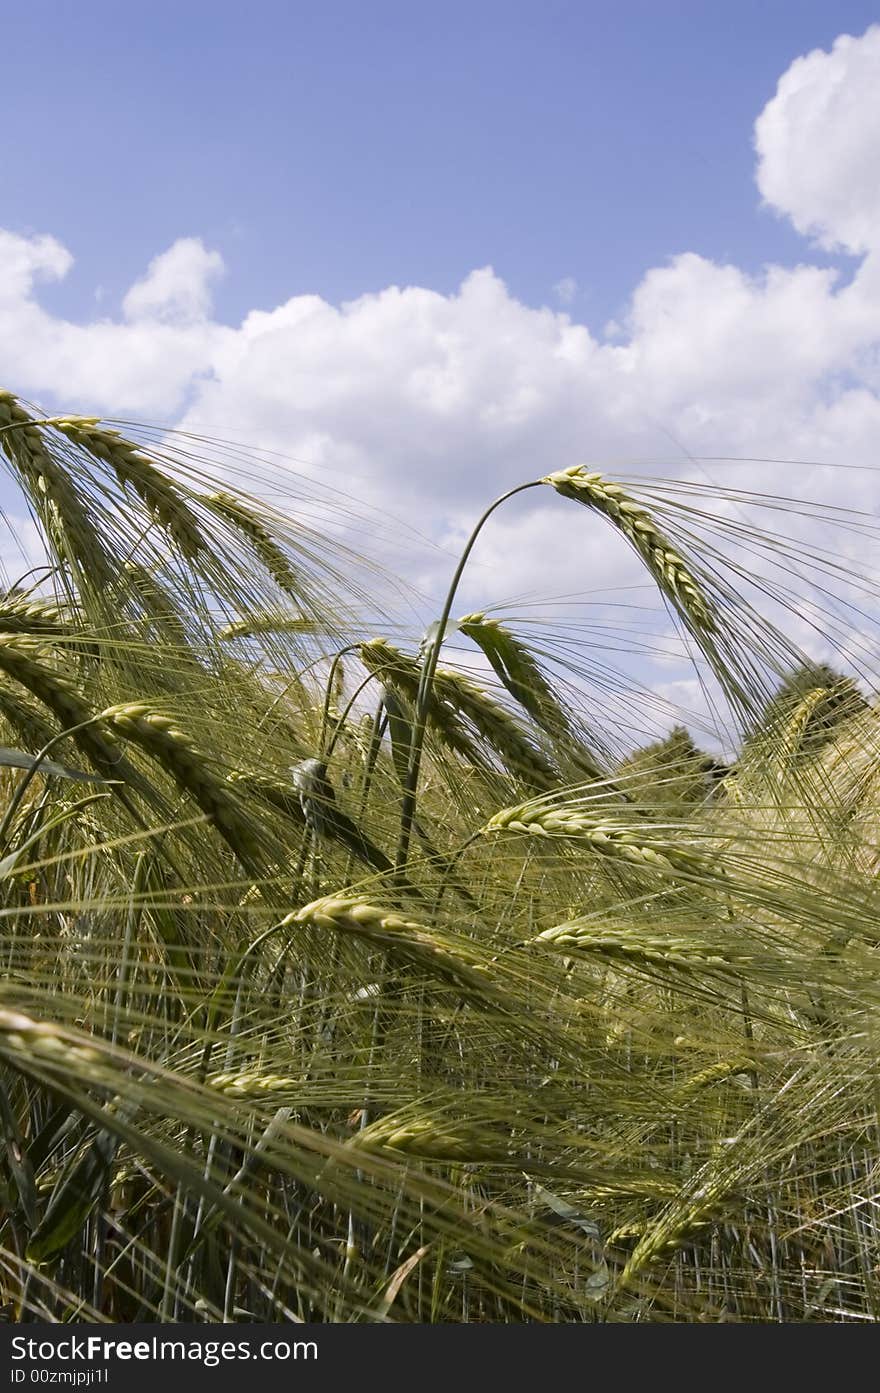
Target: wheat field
345, 979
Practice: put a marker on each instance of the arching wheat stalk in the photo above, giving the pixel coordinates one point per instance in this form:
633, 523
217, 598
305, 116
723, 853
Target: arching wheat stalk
675, 578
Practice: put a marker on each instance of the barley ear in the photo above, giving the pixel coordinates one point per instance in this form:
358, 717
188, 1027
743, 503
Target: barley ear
22, 615
520, 674
160, 737
669, 569
457, 962
236, 514
162, 500
617, 841
53, 496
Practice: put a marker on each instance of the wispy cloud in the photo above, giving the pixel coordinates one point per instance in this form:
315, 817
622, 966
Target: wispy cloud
566, 290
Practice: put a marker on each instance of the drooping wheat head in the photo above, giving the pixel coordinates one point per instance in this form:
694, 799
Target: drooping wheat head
28, 663
497, 728
457, 962
21, 614
163, 500
672, 573
253, 625
52, 494
621, 842
516, 668
455, 701
162, 739
235, 512
400, 674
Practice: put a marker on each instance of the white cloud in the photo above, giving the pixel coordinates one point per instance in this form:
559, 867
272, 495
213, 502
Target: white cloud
146, 365
427, 405
818, 143
25, 260
176, 288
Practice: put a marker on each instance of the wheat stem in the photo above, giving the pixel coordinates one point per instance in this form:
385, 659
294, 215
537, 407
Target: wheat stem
432, 656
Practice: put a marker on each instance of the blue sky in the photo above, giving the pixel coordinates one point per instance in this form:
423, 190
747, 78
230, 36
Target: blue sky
341, 148
427, 253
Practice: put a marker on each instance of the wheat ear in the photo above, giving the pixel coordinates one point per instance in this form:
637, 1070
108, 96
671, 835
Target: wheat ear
159, 736
253, 625
133, 470
667, 566
156, 606
587, 939
236, 513
278, 794
496, 727
21, 615
453, 699
400, 674
457, 963
25, 720
515, 667
253, 1085
20, 659
52, 493
435, 1138
612, 840
42, 1043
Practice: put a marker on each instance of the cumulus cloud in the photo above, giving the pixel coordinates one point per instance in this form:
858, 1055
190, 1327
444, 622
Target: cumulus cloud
25, 260
426, 405
818, 144
177, 286
147, 362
